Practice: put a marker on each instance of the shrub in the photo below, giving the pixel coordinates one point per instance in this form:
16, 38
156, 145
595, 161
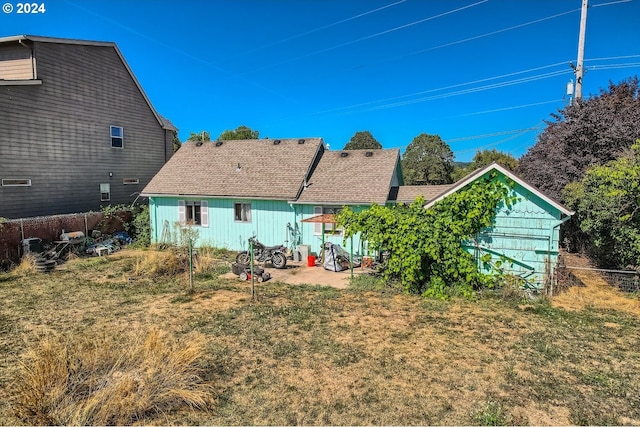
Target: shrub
109, 381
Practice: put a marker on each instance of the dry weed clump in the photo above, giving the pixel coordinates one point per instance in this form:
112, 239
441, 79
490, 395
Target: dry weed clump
160, 263
111, 381
27, 266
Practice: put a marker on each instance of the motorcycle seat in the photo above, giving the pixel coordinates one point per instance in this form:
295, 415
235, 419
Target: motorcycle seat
273, 248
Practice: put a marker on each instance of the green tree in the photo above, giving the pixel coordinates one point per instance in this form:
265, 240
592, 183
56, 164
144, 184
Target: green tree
242, 132
607, 205
361, 141
176, 141
200, 136
484, 158
583, 135
425, 245
427, 160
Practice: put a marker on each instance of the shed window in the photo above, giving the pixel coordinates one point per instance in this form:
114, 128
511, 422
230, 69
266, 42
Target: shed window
117, 137
242, 212
105, 192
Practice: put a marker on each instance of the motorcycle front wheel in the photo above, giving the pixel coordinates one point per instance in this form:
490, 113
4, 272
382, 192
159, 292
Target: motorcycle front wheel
279, 260
243, 258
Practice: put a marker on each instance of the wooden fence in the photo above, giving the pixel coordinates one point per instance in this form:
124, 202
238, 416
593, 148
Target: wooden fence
47, 228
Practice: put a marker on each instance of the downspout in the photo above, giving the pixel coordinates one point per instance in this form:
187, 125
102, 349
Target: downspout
567, 218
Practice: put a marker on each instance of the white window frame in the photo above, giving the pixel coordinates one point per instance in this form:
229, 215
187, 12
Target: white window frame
245, 212
328, 228
130, 181
185, 205
14, 182
105, 189
118, 136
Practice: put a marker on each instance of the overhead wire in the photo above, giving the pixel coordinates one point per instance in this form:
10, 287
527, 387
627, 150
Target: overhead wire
323, 27
378, 34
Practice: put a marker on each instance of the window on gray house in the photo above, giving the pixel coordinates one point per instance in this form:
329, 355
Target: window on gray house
105, 192
117, 137
242, 212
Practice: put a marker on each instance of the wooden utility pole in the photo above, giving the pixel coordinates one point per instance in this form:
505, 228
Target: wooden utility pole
580, 66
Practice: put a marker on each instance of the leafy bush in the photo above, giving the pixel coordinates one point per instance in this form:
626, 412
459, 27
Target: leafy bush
425, 245
607, 205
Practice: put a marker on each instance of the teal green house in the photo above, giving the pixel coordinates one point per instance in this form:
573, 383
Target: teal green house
524, 236
232, 190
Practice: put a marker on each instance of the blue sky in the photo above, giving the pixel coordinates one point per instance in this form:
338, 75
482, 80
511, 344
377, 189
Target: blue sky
329, 68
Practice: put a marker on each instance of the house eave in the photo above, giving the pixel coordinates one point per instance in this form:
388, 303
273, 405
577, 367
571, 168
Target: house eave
41, 39
478, 173
209, 196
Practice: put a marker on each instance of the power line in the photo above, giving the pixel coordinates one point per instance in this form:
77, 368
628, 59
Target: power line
422, 92
492, 33
401, 27
324, 27
465, 91
489, 135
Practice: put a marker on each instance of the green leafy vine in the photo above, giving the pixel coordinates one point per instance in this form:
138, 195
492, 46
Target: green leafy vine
425, 245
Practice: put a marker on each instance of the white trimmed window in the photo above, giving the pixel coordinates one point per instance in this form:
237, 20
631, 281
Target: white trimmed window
16, 183
130, 181
105, 192
242, 212
193, 212
329, 228
117, 136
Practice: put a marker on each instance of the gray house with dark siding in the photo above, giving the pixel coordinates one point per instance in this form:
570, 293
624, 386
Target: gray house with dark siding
77, 131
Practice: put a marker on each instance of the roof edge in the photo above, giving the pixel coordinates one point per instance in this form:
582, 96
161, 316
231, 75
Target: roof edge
495, 166
61, 40
161, 121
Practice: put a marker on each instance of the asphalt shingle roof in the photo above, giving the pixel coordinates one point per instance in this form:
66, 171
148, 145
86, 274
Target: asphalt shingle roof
254, 168
407, 193
356, 178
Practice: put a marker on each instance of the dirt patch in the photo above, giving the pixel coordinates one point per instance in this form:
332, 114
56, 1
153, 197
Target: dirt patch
298, 273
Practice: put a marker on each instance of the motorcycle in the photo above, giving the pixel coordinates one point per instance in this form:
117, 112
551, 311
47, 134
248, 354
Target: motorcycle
261, 253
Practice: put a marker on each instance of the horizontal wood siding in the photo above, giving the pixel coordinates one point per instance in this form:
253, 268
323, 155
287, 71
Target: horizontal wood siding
268, 221
15, 63
57, 134
309, 238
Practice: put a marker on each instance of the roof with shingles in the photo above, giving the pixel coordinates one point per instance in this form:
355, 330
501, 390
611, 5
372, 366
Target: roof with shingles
253, 168
356, 178
407, 193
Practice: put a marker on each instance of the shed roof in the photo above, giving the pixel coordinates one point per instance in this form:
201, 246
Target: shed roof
495, 166
251, 168
352, 177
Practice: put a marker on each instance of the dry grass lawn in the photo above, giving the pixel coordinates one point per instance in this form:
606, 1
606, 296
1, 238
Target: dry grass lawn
302, 354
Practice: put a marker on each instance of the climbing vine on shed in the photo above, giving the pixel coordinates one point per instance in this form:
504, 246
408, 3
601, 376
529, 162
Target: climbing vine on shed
425, 245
